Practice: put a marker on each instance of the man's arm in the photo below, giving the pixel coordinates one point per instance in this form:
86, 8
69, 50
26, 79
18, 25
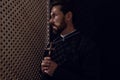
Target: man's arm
87, 70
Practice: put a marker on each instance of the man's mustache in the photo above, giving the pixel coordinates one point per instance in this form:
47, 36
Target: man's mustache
52, 24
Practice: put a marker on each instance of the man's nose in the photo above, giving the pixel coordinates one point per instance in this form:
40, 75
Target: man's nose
51, 21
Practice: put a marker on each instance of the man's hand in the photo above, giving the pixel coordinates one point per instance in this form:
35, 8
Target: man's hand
48, 66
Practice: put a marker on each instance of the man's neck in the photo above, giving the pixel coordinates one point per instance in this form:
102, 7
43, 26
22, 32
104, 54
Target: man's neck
69, 29
67, 33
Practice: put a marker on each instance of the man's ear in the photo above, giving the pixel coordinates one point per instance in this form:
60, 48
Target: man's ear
68, 16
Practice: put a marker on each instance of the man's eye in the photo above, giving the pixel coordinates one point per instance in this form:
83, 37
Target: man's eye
52, 16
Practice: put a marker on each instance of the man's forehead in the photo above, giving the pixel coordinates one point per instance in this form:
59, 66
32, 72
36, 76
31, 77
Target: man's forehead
56, 9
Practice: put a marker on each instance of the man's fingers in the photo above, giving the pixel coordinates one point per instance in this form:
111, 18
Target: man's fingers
46, 71
47, 58
45, 68
45, 63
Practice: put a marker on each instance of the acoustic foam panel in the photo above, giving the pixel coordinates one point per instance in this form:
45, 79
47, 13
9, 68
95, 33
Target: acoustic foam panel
23, 38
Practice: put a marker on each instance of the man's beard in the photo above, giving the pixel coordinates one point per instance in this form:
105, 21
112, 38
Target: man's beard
60, 28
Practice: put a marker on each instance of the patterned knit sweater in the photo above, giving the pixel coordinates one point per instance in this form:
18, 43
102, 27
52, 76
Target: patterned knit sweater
77, 58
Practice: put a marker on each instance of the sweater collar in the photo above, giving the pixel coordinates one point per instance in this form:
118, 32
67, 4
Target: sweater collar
63, 36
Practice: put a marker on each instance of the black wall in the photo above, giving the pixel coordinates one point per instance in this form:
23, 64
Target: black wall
99, 19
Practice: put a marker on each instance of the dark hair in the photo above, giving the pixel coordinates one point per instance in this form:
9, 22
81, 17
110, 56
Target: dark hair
66, 5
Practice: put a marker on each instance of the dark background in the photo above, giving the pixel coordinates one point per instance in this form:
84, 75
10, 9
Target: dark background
100, 20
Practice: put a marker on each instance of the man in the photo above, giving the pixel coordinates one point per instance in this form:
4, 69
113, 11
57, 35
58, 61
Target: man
74, 57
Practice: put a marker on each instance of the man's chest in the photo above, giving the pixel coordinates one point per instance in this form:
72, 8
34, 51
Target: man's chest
64, 52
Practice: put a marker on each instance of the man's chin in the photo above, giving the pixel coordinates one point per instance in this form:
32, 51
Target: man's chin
55, 31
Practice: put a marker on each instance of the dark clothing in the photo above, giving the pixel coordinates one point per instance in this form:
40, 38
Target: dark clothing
77, 58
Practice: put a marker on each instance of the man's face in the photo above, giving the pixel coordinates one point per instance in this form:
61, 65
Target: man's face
57, 20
